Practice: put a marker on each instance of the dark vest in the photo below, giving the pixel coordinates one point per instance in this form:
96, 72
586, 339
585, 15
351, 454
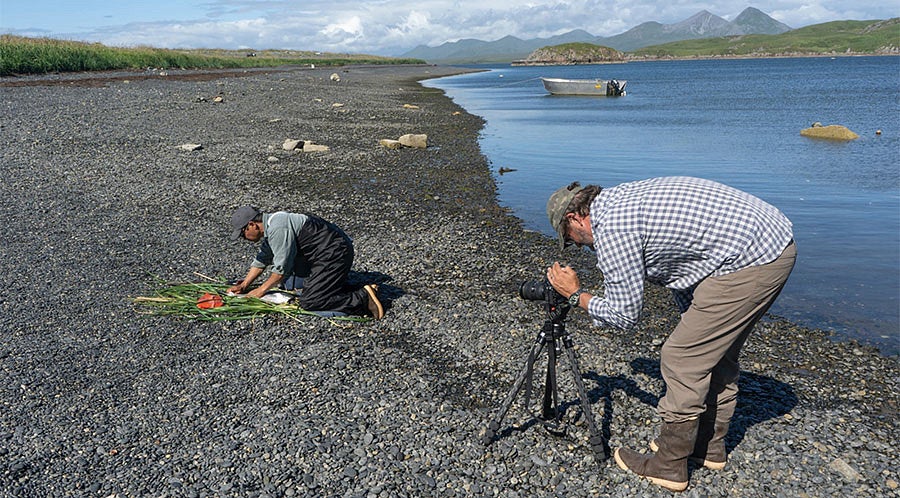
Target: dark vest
321, 242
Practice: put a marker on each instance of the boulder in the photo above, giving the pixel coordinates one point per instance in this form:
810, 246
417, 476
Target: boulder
387, 143
414, 140
314, 147
831, 132
291, 144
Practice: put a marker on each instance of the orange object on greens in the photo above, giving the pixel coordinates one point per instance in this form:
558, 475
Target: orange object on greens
209, 300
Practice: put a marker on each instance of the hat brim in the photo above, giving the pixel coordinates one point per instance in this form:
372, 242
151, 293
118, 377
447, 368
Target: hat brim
236, 234
561, 234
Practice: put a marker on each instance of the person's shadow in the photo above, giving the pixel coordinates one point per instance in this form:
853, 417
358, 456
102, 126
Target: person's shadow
760, 398
387, 293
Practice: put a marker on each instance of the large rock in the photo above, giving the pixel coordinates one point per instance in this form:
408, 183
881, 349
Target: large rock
309, 146
831, 132
390, 144
291, 144
303, 146
414, 140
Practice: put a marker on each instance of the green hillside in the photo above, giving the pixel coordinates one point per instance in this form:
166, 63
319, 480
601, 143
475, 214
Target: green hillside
838, 37
22, 55
574, 53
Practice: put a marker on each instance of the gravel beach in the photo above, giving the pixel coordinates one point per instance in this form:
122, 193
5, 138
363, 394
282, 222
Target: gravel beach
99, 399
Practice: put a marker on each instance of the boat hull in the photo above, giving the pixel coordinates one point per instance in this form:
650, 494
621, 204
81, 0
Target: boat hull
603, 88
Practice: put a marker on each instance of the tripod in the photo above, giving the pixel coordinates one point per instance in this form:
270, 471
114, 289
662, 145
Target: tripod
554, 337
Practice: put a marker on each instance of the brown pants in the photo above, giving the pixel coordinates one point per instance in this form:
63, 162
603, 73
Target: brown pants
699, 361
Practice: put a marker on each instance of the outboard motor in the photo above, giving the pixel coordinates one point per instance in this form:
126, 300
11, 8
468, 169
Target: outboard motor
615, 89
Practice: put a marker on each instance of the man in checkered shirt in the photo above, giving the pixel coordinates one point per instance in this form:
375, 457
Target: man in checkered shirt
725, 255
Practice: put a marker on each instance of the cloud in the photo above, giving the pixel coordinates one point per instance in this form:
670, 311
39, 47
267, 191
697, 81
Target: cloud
344, 32
391, 27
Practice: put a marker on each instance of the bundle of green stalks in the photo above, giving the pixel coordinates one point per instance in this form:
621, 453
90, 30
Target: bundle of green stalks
187, 300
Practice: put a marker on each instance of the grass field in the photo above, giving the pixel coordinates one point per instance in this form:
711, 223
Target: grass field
21, 55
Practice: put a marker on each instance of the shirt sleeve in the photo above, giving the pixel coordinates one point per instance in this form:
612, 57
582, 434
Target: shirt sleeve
264, 256
620, 259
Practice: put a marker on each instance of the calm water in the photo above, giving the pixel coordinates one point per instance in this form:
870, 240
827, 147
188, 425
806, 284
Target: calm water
737, 122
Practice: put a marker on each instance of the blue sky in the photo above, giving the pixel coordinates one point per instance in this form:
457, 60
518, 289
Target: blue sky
382, 27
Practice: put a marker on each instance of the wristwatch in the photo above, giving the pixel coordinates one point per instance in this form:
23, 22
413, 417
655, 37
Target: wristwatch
573, 299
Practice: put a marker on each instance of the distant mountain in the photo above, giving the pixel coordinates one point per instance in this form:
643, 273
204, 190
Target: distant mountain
506, 49
755, 22
509, 48
700, 25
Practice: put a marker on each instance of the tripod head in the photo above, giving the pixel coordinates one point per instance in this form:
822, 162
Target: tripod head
556, 312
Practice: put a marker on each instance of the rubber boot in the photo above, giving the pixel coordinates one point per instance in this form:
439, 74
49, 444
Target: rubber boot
709, 449
668, 467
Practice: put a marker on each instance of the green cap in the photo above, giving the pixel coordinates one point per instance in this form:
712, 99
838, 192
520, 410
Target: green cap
557, 208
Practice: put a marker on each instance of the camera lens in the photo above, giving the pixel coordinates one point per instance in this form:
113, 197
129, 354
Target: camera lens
534, 290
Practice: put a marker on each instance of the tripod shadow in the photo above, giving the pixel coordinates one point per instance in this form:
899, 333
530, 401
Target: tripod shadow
760, 398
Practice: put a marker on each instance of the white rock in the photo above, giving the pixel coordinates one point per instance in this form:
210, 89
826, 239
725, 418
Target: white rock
190, 147
418, 141
312, 147
845, 470
388, 143
291, 144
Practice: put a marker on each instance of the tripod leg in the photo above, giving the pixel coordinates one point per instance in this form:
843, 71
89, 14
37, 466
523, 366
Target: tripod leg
598, 443
550, 408
494, 426
551, 414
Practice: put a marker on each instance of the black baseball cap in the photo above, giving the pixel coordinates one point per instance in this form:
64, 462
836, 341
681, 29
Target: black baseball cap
240, 218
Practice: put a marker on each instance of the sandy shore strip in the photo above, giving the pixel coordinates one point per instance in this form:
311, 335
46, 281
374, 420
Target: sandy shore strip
100, 202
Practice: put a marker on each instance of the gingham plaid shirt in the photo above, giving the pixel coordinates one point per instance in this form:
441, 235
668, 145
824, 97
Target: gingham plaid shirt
676, 231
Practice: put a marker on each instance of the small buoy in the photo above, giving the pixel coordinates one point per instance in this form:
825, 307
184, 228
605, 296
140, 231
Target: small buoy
878, 132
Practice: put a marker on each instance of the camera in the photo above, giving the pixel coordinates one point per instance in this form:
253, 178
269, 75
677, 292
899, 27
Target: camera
540, 290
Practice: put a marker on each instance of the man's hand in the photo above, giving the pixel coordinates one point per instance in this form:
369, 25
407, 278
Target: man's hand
237, 288
273, 280
242, 285
258, 293
563, 279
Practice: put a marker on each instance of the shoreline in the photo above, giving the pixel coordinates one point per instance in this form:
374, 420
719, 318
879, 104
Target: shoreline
100, 399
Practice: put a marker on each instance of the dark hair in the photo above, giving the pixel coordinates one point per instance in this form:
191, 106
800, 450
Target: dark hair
581, 203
